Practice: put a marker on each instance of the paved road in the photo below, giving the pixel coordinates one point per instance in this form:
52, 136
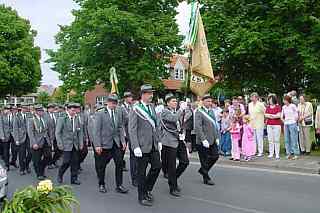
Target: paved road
238, 190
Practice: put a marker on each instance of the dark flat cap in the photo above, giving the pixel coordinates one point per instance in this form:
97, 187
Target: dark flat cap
127, 94
113, 98
169, 97
73, 105
206, 96
146, 88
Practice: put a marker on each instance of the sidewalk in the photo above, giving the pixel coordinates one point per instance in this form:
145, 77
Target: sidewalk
306, 164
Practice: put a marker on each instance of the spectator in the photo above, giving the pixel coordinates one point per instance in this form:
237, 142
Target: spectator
159, 107
236, 106
273, 115
235, 138
305, 110
293, 95
317, 125
217, 111
227, 104
225, 143
290, 117
256, 113
248, 146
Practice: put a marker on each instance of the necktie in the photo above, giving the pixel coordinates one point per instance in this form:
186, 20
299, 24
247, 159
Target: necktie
72, 121
112, 117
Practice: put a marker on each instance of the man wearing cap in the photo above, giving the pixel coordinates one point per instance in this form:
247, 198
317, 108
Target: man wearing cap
172, 140
39, 141
21, 137
206, 129
52, 122
126, 107
69, 135
5, 134
144, 138
14, 148
109, 143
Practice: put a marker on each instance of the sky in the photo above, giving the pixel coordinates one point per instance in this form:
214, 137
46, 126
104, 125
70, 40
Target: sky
46, 15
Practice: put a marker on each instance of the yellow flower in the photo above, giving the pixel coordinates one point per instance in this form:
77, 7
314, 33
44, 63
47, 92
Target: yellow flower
45, 186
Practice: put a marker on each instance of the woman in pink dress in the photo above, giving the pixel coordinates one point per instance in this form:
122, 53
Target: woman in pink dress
248, 144
235, 137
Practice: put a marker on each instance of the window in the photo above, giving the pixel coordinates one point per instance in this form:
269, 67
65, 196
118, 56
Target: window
101, 99
179, 74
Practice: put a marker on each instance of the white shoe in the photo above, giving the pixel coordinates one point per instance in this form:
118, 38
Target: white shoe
259, 155
295, 157
270, 156
278, 158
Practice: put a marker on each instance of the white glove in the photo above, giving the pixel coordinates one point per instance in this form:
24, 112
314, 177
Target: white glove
137, 152
206, 144
160, 146
183, 105
218, 141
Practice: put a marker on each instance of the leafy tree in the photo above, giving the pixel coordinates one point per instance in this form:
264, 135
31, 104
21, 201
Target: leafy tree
135, 36
265, 46
43, 98
19, 58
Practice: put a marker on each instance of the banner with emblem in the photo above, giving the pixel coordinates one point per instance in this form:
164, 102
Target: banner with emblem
202, 78
114, 81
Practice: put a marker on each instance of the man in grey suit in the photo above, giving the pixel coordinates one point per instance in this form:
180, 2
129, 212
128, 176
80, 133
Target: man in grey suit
109, 143
144, 138
5, 134
20, 137
37, 128
126, 107
172, 140
206, 129
69, 135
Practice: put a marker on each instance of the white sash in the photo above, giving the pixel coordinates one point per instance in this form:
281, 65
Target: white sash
209, 118
143, 115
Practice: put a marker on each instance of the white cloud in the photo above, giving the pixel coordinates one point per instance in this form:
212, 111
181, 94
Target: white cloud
46, 15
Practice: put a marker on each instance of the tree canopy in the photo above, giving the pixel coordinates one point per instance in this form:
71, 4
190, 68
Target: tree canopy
19, 58
265, 46
137, 37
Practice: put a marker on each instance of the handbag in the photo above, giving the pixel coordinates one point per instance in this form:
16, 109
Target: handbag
308, 121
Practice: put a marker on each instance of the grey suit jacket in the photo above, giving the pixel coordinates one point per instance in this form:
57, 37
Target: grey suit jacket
37, 135
142, 134
90, 127
51, 126
105, 134
125, 116
66, 136
204, 128
20, 128
169, 128
5, 128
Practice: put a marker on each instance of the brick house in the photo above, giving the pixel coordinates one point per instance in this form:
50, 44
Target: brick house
96, 96
178, 68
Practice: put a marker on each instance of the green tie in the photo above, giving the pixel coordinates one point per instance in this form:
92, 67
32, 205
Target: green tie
112, 118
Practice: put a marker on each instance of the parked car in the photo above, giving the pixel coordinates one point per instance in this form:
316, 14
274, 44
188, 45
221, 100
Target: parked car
3, 182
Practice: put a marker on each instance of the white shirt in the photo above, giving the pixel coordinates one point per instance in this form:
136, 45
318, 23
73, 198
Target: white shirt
72, 119
110, 113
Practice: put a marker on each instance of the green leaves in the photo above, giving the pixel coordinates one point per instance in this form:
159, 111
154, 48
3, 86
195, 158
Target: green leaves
59, 200
19, 59
136, 37
265, 46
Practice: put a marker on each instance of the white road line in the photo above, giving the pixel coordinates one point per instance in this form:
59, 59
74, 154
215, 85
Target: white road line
261, 170
226, 205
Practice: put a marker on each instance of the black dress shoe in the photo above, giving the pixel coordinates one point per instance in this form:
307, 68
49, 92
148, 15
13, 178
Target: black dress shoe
145, 203
102, 189
51, 166
149, 196
60, 180
175, 193
28, 170
41, 177
14, 164
22, 173
209, 182
122, 190
75, 182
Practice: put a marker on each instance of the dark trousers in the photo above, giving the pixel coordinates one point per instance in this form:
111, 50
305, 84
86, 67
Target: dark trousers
57, 153
29, 153
14, 151
208, 157
164, 161
83, 153
146, 182
133, 167
174, 172
22, 153
6, 152
70, 159
103, 159
41, 158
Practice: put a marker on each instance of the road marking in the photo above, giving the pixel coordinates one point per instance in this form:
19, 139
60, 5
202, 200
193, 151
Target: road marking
226, 205
261, 170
